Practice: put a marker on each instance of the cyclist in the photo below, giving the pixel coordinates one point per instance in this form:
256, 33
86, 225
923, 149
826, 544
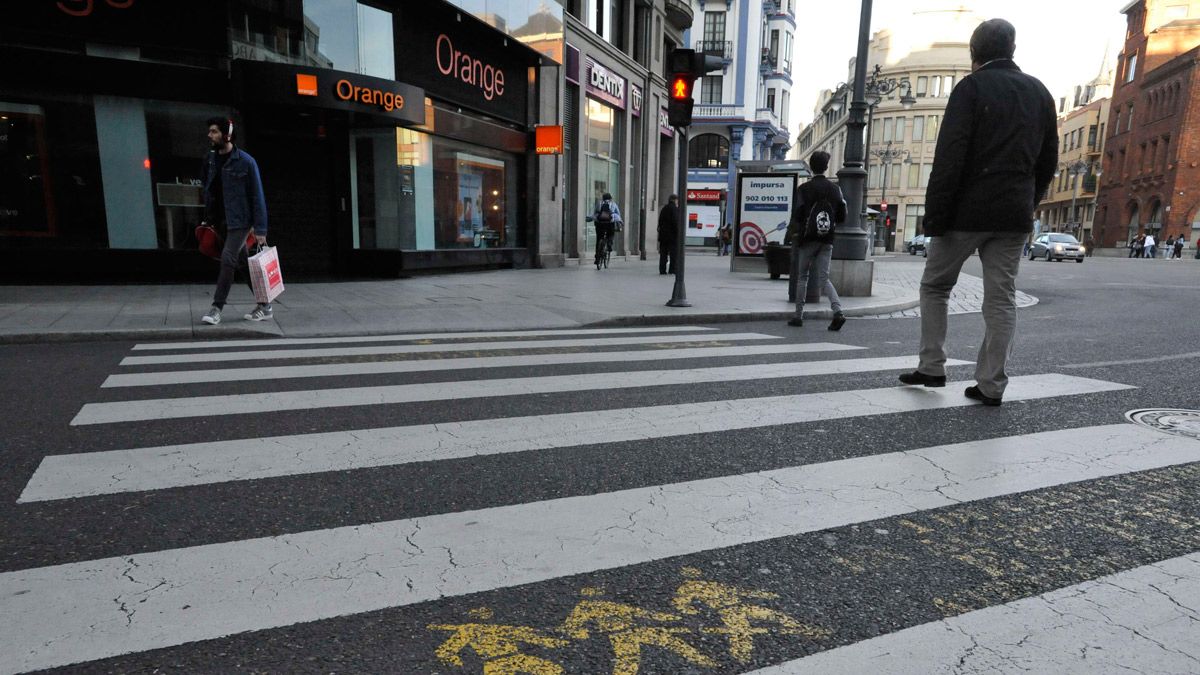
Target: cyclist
607, 218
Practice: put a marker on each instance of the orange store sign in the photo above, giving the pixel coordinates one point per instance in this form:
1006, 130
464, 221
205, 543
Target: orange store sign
276, 83
548, 140
306, 85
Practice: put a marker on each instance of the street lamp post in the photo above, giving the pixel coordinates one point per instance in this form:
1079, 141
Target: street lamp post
1075, 169
853, 242
886, 156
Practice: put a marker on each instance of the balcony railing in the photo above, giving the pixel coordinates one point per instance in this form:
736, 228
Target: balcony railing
722, 111
766, 115
719, 48
770, 58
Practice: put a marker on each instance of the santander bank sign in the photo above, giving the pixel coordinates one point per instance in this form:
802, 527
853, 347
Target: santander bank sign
468, 69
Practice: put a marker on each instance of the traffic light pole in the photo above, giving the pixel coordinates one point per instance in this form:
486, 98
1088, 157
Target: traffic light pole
679, 294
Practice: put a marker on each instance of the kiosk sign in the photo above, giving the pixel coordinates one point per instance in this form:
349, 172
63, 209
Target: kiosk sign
764, 208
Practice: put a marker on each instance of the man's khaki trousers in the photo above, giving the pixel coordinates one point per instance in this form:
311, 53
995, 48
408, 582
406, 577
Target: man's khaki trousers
1000, 254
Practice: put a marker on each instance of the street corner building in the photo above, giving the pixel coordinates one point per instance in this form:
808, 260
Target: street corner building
1151, 163
393, 137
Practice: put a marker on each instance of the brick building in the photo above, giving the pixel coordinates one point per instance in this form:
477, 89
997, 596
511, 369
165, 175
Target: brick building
1151, 178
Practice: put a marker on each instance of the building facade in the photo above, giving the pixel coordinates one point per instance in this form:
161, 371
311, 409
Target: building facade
1070, 203
617, 139
741, 113
903, 123
1151, 178
392, 137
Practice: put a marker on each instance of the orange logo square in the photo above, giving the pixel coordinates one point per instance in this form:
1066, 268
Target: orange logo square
306, 85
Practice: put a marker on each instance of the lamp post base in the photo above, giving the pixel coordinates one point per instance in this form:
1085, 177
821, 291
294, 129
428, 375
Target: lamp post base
851, 245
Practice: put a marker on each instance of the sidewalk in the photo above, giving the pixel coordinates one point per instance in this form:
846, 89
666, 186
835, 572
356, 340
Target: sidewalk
630, 292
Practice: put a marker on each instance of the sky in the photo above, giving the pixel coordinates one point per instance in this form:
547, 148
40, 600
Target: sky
1061, 42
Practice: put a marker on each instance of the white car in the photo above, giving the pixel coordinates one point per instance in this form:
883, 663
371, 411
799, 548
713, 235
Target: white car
1057, 246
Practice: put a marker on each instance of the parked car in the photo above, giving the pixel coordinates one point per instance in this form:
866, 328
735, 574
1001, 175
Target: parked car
1057, 246
916, 244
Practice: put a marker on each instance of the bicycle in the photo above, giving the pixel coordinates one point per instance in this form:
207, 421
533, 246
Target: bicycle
603, 250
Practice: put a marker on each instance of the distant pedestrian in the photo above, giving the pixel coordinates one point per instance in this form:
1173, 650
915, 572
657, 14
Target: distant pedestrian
995, 159
1178, 253
724, 239
1148, 245
1090, 245
668, 235
233, 201
818, 209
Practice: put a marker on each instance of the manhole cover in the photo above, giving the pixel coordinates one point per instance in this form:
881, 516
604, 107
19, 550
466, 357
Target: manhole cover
1178, 422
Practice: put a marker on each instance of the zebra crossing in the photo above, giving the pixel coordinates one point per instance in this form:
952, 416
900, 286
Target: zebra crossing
186, 597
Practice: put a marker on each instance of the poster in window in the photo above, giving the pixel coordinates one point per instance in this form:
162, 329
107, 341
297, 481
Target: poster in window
703, 221
470, 196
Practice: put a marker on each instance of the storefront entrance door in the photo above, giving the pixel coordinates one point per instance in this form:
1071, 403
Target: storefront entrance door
601, 178
304, 204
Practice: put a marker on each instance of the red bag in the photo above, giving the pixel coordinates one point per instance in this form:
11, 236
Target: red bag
211, 243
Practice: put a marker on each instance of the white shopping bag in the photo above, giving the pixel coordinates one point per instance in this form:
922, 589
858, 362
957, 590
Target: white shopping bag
265, 275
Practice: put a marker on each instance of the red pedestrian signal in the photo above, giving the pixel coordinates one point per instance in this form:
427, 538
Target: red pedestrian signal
679, 108
685, 65
681, 87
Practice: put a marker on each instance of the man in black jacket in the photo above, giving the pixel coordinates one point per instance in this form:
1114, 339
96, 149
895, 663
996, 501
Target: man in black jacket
668, 235
994, 160
818, 209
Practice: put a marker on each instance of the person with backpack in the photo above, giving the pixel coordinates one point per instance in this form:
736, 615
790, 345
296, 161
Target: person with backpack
607, 219
818, 209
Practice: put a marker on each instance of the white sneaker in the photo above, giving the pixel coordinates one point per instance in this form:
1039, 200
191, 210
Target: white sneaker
260, 313
213, 317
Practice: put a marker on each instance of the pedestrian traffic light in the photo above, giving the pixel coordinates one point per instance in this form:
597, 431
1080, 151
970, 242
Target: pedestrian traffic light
685, 65
679, 109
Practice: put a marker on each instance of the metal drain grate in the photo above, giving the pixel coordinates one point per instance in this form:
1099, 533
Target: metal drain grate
1172, 421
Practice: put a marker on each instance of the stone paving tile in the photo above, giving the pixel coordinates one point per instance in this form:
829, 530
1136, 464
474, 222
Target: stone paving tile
966, 298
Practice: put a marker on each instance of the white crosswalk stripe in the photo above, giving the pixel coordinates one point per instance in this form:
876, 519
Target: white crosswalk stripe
81, 611
1143, 615
93, 473
343, 352
403, 562
383, 367
409, 337
234, 404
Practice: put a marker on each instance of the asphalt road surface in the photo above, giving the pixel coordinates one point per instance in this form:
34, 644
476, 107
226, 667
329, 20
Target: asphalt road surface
731, 498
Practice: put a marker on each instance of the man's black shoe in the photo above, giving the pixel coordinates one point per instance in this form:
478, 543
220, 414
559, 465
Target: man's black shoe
839, 320
974, 394
917, 377
796, 322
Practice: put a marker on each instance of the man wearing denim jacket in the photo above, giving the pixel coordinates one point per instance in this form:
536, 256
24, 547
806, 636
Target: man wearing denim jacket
233, 195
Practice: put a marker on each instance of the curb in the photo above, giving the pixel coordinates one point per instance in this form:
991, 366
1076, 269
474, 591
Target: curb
730, 317
194, 333
137, 334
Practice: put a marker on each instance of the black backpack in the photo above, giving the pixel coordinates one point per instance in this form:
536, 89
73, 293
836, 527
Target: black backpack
820, 223
604, 216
